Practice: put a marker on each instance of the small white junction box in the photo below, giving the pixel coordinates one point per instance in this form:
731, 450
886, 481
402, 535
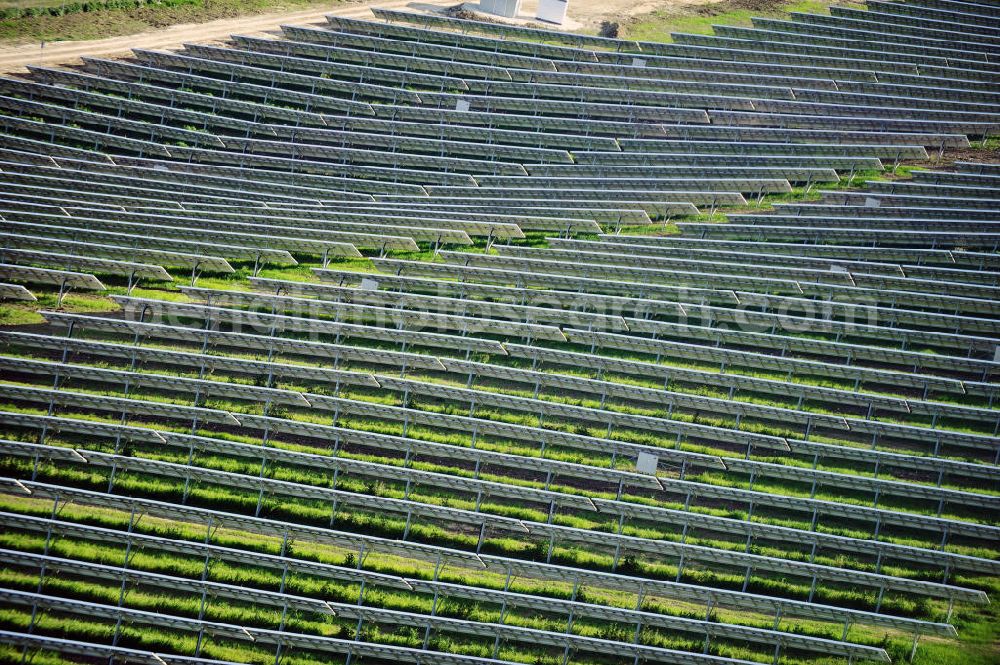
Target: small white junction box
647, 463
505, 8
552, 11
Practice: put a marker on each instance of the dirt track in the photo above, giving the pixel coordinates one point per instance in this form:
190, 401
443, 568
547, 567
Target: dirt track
586, 13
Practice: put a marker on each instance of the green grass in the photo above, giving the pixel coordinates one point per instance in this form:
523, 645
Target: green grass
490, 385
977, 621
979, 635
659, 25
19, 315
117, 22
305, 585
428, 496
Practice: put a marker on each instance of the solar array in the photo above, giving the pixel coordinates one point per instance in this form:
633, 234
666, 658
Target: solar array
429, 340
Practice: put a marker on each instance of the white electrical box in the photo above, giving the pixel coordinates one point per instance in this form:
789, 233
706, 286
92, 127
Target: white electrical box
647, 463
505, 8
369, 284
552, 11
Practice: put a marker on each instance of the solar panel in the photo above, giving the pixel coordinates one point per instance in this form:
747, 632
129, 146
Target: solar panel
95, 265
788, 36
877, 55
441, 147
256, 320
511, 599
299, 490
430, 225
885, 40
392, 179
396, 316
426, 510
892, 263
816, 57
773, 171
676, 185
860, 276
801, 392
237, 244
474, 134
856, 122
650, 298
141, 380
199, 59
305, 186
631, 78
592, 92
87, 649
524, 279
981, 190
642, 395
255, 635
187, 360
501, 216
718, 434
79, 99
143, 73
80, 234
906, 199
883, 212
114, 404
104, 85
15, 292
390, 444
242, 341
967, 36
52, 277
330, 46
280, 234
77, 136
273, 53
868, 222
499, 564
912, 257
818, 234
163, 257
352, 32
612, 125
443, 304
151, 131
758, 361
212, 362
85, 181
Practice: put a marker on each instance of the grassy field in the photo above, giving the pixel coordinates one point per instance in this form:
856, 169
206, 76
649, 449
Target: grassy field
658, 26
102, 23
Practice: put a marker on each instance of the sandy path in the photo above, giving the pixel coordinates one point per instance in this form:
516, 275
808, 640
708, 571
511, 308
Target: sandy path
585, 13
